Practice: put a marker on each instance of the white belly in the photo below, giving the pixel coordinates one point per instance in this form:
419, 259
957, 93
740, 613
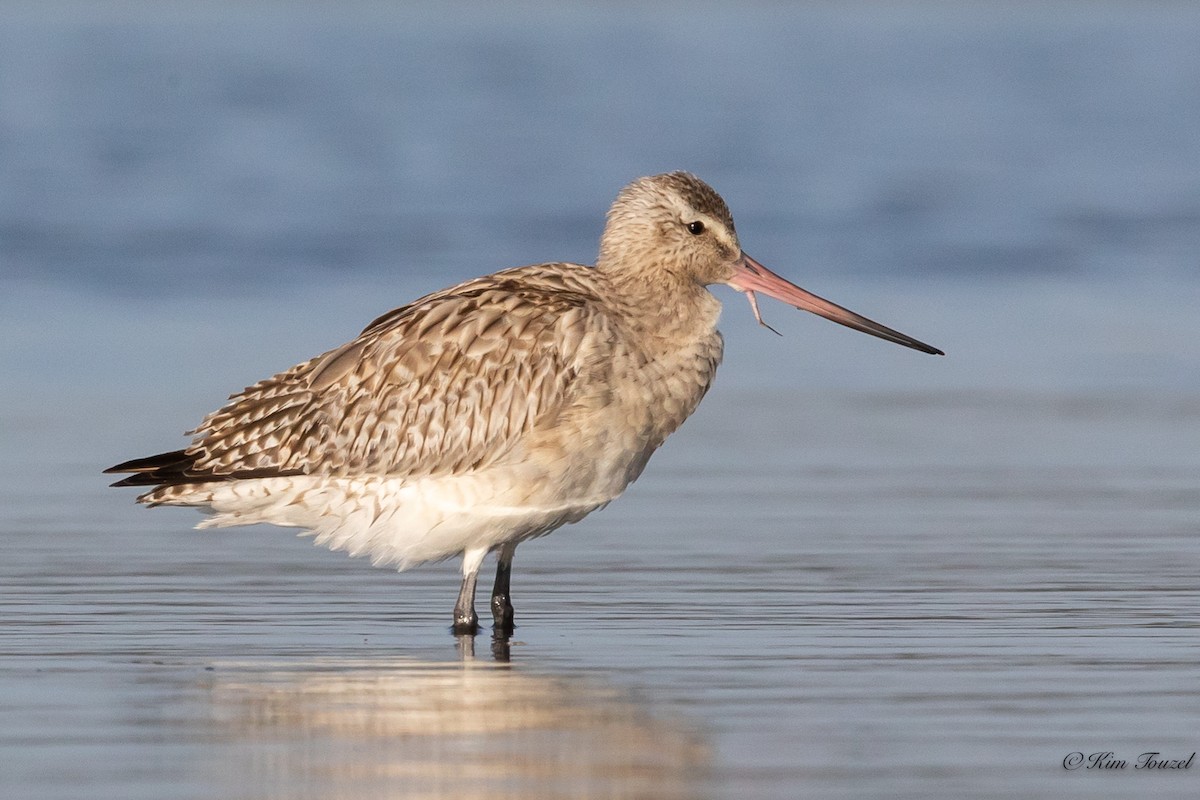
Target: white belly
396, 522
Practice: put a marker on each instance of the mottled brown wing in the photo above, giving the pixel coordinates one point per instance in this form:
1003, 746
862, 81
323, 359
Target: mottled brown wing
442, 385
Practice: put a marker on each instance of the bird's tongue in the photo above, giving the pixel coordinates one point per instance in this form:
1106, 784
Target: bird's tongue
750, 277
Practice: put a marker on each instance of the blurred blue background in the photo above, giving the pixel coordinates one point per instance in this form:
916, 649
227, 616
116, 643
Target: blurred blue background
1017, 183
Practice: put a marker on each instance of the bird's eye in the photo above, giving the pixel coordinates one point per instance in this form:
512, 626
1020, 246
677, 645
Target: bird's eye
695, 228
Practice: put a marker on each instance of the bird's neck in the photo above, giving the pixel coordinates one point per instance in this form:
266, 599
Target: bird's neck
661, 304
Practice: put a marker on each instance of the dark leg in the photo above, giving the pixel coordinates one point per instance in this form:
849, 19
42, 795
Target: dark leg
465, 618
502, 610
466, 621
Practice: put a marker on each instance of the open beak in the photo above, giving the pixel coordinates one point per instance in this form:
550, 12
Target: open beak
750, 276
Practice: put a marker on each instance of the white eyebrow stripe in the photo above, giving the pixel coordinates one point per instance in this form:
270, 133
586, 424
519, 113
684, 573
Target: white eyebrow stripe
719, 230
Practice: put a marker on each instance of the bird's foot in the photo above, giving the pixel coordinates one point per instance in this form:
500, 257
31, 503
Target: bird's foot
465, 624
502, 614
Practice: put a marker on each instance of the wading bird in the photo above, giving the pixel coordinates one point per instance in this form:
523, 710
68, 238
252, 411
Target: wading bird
492, 412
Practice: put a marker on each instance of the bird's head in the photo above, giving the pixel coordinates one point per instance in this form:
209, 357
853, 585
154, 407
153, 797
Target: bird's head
675, 229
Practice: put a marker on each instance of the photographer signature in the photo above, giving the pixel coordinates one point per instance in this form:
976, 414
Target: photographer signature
1109, 760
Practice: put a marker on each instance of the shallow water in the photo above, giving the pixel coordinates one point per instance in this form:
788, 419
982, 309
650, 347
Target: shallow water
763, 623
856, 572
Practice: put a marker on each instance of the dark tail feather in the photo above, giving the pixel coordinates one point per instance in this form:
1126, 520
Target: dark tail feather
163, 468
179, 466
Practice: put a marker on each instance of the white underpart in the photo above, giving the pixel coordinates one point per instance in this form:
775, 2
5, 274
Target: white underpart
395, 522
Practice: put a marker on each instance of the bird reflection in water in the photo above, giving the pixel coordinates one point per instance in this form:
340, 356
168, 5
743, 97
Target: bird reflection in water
472, 728
500, 642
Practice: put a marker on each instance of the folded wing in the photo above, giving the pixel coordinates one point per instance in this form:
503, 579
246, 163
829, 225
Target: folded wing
444, 385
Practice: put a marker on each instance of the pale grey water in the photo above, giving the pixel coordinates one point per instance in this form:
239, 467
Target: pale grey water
857, 572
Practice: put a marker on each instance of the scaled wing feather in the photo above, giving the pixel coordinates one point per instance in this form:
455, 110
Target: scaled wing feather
445, 384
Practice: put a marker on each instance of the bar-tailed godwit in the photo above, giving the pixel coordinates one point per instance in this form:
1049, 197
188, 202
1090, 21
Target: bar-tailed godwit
478, 417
